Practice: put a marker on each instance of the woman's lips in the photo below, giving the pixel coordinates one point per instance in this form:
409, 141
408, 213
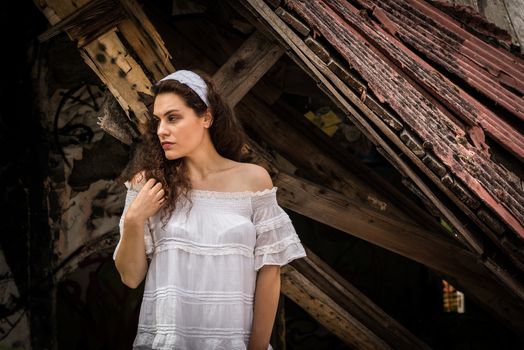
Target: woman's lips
167, 145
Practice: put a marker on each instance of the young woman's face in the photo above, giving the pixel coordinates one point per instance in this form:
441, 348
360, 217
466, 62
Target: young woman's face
180, 130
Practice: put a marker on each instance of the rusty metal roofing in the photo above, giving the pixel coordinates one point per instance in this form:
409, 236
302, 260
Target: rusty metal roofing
398, 47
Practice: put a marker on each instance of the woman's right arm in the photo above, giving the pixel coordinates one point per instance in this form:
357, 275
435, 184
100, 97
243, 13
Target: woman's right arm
130, 258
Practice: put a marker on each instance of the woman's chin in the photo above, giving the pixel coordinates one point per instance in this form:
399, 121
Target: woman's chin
170, 155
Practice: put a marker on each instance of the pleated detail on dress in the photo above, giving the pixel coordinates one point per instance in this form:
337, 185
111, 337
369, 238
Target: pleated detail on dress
200, 286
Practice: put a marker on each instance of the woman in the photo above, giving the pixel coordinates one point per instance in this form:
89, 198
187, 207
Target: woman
209, 225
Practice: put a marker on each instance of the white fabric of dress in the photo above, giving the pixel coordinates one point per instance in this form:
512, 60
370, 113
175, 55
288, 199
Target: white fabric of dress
200, 285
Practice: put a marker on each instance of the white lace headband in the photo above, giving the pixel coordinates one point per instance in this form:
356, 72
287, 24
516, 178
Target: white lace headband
192, 80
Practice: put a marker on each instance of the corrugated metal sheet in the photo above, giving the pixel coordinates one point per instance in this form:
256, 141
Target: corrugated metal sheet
439, 112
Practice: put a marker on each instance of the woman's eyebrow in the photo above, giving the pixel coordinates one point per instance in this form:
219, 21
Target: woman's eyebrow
171, 111
167, 112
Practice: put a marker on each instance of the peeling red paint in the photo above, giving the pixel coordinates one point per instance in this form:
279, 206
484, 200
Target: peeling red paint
388, 24
406, 82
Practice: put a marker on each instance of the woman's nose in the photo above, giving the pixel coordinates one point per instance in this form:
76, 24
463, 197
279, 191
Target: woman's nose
161, 129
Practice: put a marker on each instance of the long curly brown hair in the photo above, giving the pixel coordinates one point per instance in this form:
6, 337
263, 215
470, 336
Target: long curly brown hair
148, 156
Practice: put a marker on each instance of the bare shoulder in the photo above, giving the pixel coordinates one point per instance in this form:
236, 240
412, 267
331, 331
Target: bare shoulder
256, 176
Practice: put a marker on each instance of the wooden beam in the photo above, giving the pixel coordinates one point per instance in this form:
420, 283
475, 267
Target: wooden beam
127, 57
459, 265
270, 22
305, 154
246, 66
321, 275
327, 312
278, 135
106, 13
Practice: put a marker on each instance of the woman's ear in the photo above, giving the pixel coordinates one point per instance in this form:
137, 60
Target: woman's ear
208, 118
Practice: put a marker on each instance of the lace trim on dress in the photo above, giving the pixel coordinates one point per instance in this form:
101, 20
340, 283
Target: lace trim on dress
194, 331
145, 340
277, 247
231, 249
240, 194
291, 252
197, 332
216, 297
272, 223
212, 194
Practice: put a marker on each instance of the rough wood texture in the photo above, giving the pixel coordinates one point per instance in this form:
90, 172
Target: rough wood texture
327, 311
109, 55
422, 114
110, 59
351, 299
106, 13
459, 265
458, 192
302, 55
468, 236
246, 66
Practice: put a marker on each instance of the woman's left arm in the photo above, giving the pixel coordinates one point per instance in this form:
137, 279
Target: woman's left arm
267, 293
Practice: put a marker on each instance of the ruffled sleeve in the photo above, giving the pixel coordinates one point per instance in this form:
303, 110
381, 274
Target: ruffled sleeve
277, 242
132, 191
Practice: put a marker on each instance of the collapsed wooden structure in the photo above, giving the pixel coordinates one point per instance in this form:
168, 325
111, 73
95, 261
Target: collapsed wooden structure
439, 103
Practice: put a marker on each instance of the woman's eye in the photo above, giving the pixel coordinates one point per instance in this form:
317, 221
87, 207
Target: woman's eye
172, 118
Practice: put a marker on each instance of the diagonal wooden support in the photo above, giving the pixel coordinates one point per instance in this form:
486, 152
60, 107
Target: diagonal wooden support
126, 53
327, 311
354, 217
246, 66
459, 265
268, 21
105, 13
259, 118
257, 55
324, 294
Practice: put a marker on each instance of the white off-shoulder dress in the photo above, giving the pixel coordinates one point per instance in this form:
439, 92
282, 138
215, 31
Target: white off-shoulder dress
200, 286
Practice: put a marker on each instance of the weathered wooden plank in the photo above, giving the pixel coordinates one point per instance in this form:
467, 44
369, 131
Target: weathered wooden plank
357, 304
327, 312
246, 66
465, 164
145, 41
459, 265
292, 21
302, 55
109, 58
106, 13
125, 75
492, 176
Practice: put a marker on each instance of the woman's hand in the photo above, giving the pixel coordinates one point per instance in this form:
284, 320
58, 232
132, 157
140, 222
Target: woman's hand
147, 202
